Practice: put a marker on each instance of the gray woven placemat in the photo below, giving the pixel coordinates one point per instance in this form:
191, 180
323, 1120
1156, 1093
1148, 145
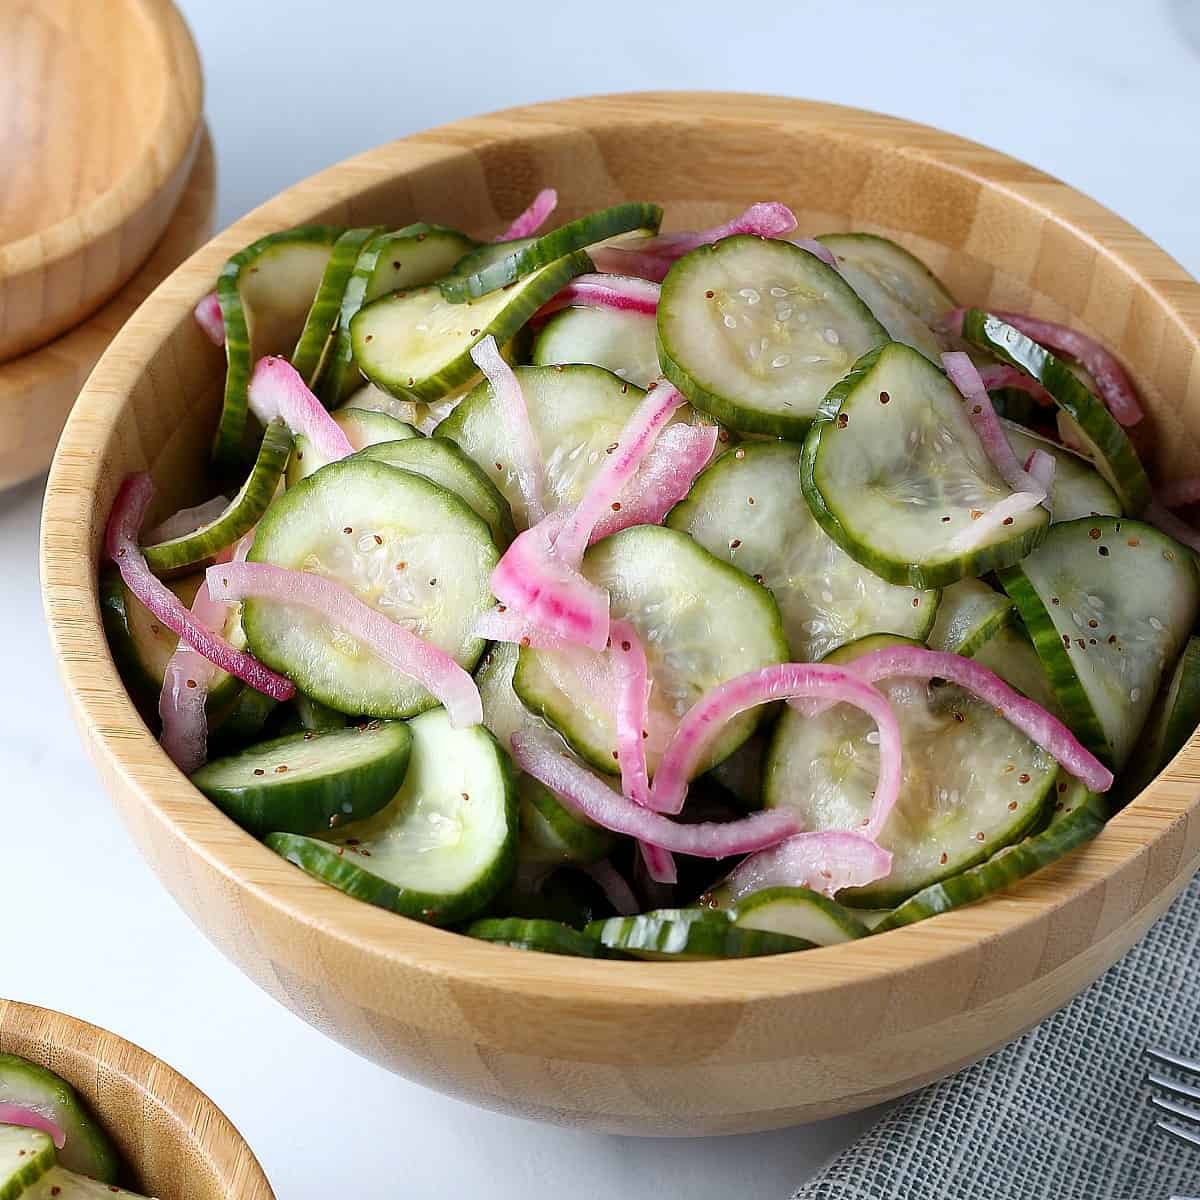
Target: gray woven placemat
1061, 1114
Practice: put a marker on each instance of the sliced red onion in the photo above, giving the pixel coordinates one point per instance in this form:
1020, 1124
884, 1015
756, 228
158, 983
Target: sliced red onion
208, 317
121, 542
822, 251
1179, 493
769, 219
1041, 466
625, 260
187, 520
1003, 512
514, 416
622, 293
1161, 517
659, 863
541, 756
276, 390
825, 862
787, 681
30, 1118
502, 624
612, 883
533, 218
665, 477
1002, 375
388, 640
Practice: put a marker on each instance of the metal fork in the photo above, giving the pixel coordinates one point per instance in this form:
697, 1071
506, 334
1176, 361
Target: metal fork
1176, 1091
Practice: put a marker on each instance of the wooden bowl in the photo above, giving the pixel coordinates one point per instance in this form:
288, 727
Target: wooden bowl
177, 1142
647, 1048
101, 102
38, 389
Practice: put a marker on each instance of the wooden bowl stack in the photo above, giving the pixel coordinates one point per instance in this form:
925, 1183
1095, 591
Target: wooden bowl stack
109, 185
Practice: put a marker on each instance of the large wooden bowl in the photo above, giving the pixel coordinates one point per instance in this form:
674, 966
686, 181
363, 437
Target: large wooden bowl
176, 1141
643, 1047
100, 104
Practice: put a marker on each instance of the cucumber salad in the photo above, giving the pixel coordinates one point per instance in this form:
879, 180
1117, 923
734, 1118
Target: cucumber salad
626, 594
51, 1147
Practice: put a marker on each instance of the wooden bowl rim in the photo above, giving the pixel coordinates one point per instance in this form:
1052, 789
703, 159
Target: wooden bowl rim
205, 1125
163, 148
126, 750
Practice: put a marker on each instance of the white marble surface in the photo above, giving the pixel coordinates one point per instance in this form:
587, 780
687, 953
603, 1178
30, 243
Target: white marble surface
1103, 94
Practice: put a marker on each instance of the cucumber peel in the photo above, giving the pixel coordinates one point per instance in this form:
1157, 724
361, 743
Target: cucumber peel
690, 933
549, 937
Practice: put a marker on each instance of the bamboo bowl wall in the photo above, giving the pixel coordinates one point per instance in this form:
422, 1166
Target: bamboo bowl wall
647, 1047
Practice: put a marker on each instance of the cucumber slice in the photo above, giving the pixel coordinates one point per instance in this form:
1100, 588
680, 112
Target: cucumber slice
88, 1148
748, 509
323, 315
755, 331
265, 292
1107, 445
565, 895
244, 724
681, 934
316, 717
701, 621
399, 543
441, 461
621, 342
905, 296
203, 544
971, 781
60, 1184
25, 1156
1109, 604
1010, 654
446, 843
410, 257
1079, 489
417, 345
1172, 721
362, 427
1004, 868
498, 264
893, 471
550, 937
796, 911
969, 614
310, 781
741, 774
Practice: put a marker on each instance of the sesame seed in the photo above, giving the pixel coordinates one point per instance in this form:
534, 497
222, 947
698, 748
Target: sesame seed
979, 836
1022, 778
944, 859
735, 543
259, 771
281, 769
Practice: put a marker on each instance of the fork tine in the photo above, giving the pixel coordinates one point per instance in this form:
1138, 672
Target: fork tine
1185, 1111
1186, 1135
1174, 1086
1173, 1060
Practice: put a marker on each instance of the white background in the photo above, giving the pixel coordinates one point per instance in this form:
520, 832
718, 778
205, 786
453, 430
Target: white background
1105, 95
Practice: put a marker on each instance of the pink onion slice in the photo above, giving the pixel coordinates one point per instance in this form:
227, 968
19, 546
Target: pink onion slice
533, 218
30, 1118
502, 624
787, 681
1161, 517
1003, 512
1179, 493
208, 317
514, 416
187, 520
660, 863
612, 883
825, 862
622, 293
128, 512
276, 390
768, 219
625, 260
1031, 719
540, 756
995, 376
388, 640
818, 248
1041, 466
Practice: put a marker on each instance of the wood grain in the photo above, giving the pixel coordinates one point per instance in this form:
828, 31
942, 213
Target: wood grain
177, 1143
100, 104
643, 1047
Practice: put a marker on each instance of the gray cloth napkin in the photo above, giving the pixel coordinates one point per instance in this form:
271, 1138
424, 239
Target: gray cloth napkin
1061, 1113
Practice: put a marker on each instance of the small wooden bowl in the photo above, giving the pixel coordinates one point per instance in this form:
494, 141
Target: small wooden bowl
177, 1142
38, 389
101, 102
643, 1047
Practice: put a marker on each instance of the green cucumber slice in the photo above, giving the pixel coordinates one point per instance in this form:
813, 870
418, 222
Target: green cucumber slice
1004, 868
968, 615
265, 292
701, 621
442, 847
316, 717
566, 895
1079, 489
1109, 448
1010, 654
60, 1184
740, 775
310, 782
363, 428
549, 937
971, 781
755, 331
441, 461
323, 315
905, 296
203, 544
1172, 721
798, 912
244, 724
1109, 603
621, 342
498, 264
893, 470
681, 934
747, 508
410, 257
398, 542
417, 345
25, 1156
88, 1148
